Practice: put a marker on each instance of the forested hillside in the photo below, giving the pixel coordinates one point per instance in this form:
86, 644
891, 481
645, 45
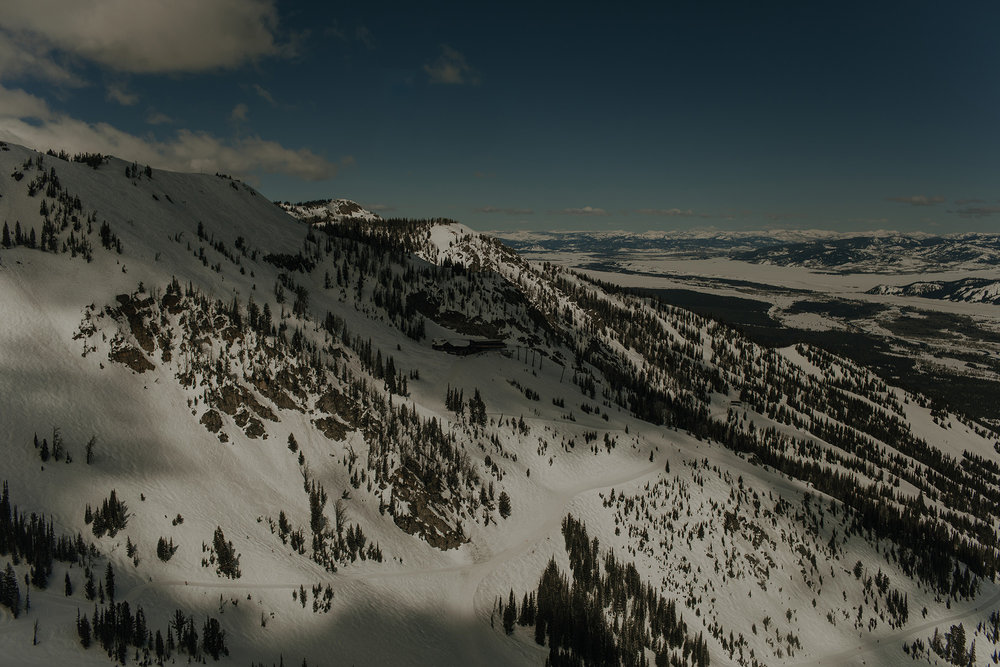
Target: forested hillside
235, 435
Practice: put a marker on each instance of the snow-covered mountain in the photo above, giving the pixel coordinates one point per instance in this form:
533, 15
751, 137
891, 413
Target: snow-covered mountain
708, 242
329, 211
246, 421
846, 252
977, 290
885, 254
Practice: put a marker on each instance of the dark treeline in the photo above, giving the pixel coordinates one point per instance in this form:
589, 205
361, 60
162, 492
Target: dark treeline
602, 615
32, 538
121, 633
109, 518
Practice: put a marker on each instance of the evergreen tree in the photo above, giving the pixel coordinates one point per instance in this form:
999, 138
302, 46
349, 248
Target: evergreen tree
503, 504
57, 444
10, 593
41, 566
83, 630
527, 615
165, 550
225, 554
111, 517
213, 639
69, 586
141, 631
190, 639
390, 377
90, 449
6, 522
109, 582
177, 624
510, 614
477, 409
6, 236
957, 642
89, 589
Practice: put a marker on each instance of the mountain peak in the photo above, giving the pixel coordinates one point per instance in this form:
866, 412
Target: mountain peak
329, 211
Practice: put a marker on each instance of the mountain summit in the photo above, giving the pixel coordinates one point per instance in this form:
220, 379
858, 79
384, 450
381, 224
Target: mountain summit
329, 211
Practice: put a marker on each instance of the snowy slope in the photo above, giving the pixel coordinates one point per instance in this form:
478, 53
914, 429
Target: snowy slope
681, 446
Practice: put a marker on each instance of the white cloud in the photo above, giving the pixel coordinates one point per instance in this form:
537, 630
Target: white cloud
157, 118
360, 34
782, 217
365, 37
239, 113
28, 120
17, 104
671, 212
263, 93
23, 56
918, 200
451, 67
586, 210
117, 93
147, 36
978, 211
505, 211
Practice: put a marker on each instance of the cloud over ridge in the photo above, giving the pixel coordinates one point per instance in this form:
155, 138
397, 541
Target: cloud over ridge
26, 119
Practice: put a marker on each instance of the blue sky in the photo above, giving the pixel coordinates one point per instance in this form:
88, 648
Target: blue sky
528, 116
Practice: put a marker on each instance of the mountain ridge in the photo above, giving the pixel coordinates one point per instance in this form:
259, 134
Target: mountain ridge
877, 251
329, 211
274, 384
975, 290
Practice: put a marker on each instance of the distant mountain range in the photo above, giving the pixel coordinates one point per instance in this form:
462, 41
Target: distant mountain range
883, 254
854, 252
978, 290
